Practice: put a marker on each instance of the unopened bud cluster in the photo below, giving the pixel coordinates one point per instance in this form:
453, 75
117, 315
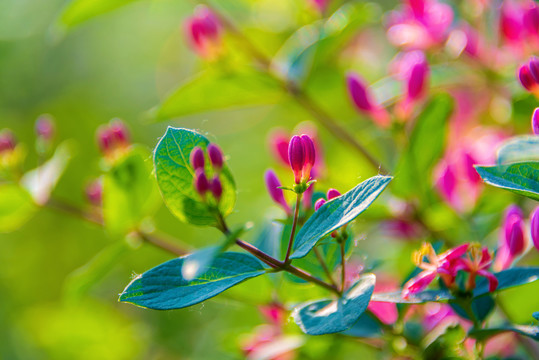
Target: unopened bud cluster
203, 182
204, 31
113, 138
331, 194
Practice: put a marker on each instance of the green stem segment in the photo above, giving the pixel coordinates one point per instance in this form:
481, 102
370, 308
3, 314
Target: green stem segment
293, 232
324, 266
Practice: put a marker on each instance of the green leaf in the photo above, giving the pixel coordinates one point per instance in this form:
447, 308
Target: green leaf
519, 149
526, 330
41, 181
331, 316
129, 191
365, 327
521, 178
175, 178
506, 279
216, 90
481, 307
78, 11
425, 146
338, 212
16, 207
449, 345
536, 315
164, 287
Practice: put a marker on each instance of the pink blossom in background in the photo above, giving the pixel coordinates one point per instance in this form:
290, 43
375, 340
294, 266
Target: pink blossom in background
386, 312
419, 24
203, 31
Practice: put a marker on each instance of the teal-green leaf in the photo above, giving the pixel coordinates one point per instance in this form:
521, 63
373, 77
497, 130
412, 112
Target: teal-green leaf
521, 178
129, 191
519, 149
78, 11
16, 207
506, 279
331, 316
175, 177
215, 90
338, 212
164, 287
526, 330
365, 327
425, 146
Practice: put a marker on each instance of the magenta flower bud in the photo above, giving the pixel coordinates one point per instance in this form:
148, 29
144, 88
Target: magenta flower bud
216, 156
197, 158
447, 183
203, 32
417, 80
104, 139
278, 143
318, 204
468, 163
7, 141
201, 183
359, 93
119, 132
526, 78
273, 184
332, 194
94, 192
310, 156
296, 157
418, 7
531, 20
514, 230
533, 66
44, 127
535, 121
216, 188
534, 227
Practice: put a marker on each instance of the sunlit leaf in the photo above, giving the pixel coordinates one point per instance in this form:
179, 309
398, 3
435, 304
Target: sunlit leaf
365, 327
526, 330
521, 178
338, 212
78, 11
175, 178
331, 316
164, 287
519, 149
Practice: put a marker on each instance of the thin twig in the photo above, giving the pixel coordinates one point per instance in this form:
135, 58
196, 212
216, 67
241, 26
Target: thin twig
324, 266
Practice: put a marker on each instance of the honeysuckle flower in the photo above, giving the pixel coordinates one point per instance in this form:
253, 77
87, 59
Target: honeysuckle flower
527, 79
278, 143
296, 157
511, 22
273, 184
197, 158
514, 235
44, 127
504, 259
216, 156
442, 265
364, 101
534, 227
477, 262
535, 121
419, 24
412, 68
201, 182
310, 156
318, 204
386, 312
203, 31
7, 141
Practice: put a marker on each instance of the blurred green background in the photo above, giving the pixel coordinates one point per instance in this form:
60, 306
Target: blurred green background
122, 64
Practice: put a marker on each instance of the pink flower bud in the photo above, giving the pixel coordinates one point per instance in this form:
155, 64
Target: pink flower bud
417, 80
94, 192
535, 121
197, 158
447, 183
112, 137
278, 142
296, 157
203, 32
310, 156
201, 183
468, 163
44, 127
534, 227
514, 230
359, 93
418, 7
216, 156
531, 20
533, 65
511, 22
104, 139
216, 188
119, 132
7, 141
318, 204
526, 78
332, 193
273, 184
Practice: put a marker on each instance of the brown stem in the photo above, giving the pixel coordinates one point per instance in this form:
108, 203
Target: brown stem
293, 232
160, 243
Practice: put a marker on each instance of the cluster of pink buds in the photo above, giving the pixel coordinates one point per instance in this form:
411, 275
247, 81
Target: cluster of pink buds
203, 183
94, 192
204, 32
331, 194
535, 121
7, 142
301, 157
519, 24
470, 258
113, 138
419, 24
413, 69
528, 74
364, 100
